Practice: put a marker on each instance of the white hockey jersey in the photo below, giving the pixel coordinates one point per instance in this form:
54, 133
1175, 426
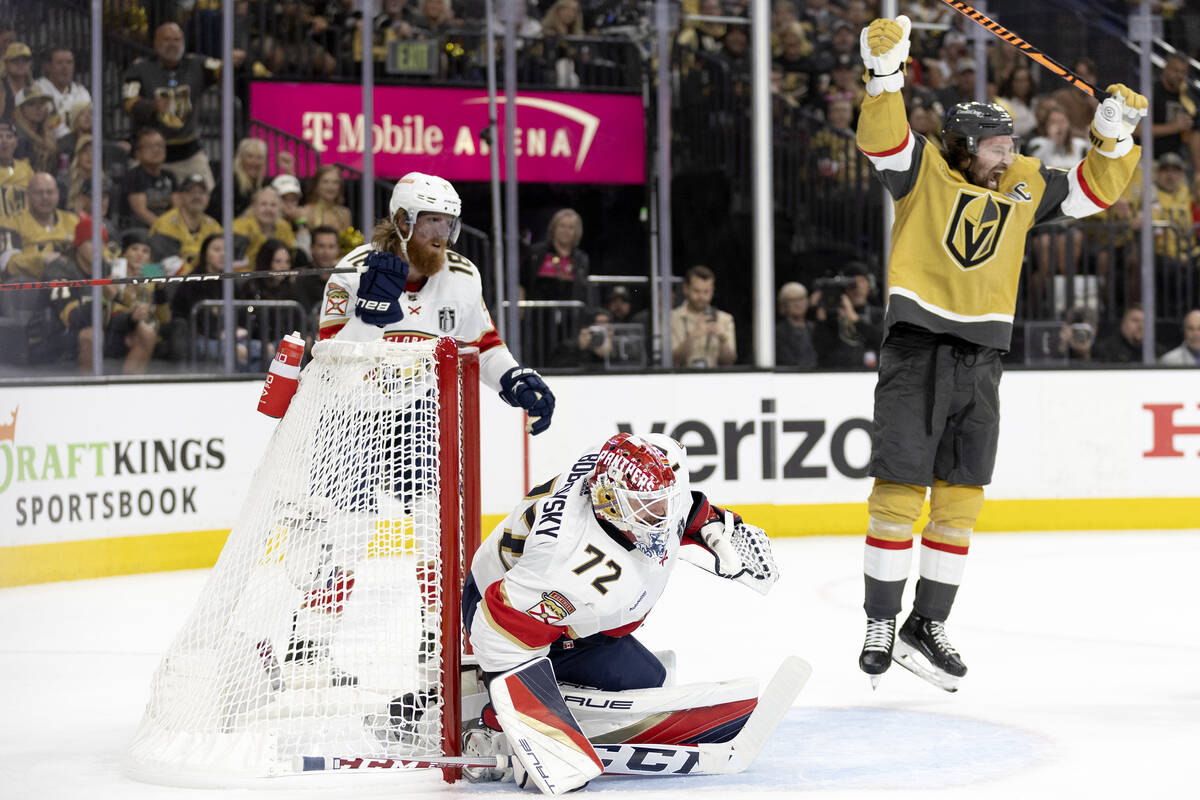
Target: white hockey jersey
450, 303
551, 570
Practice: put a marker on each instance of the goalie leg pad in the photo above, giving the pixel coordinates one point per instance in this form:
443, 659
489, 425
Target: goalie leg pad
610, 663
541, 729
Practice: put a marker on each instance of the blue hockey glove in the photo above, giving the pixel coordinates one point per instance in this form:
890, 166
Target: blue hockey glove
380, 288
524, 388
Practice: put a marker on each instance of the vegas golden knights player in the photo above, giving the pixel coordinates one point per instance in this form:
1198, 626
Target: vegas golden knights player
962, 215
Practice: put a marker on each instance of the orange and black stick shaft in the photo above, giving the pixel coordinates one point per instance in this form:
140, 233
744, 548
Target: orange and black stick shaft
1004, 34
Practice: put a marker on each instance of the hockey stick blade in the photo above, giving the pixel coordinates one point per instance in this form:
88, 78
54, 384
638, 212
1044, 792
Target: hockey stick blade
773, 705
327, 763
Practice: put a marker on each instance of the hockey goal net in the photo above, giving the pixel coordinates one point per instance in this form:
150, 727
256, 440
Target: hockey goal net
330, 624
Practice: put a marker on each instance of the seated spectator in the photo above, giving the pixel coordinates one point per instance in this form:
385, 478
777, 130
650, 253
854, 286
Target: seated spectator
1174, 238
83, 206
962, 85
434, 18
71, 307
263, 220
619, 305
1188, 353
325, 202
563, 18
288, 187
702, 337
797, 82
58, 83
147, 189
140, 325
794, 333
557, 269
37, 235
249, 175
1080, 106
703, 36
71, 181
17, 76
326, 250
207, 330
783, 14
275, 256
36, 141
1077, 336
595, 341
176, 236
395, 22
1053, 145
1019, 94
1123, 345
849, 330
14, 173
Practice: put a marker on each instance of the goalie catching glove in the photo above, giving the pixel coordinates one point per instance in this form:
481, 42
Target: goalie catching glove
734, 550
380, 288
522, 387
1115, 119
884, 48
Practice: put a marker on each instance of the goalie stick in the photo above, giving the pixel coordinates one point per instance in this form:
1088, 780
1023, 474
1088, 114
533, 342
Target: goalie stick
725, 758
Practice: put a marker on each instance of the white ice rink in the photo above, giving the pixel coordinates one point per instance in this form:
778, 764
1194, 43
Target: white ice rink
1084, 681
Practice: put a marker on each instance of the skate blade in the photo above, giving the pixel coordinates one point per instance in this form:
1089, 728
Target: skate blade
916, 663
875, 681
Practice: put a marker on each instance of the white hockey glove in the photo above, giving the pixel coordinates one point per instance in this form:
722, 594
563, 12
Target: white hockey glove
718, 537
1115, 119
884, 47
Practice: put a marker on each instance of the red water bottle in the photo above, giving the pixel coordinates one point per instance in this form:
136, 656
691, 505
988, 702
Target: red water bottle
283, 376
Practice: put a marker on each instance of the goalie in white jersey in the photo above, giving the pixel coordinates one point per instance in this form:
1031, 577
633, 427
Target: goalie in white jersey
573, 571
411, 286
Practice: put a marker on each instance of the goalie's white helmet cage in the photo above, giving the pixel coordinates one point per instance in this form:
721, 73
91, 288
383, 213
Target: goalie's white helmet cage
417, 192
330, 625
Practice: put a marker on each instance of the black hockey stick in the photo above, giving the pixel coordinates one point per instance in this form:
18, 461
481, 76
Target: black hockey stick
1025, 47
189, 278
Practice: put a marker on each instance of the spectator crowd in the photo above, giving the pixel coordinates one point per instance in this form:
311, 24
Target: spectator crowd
161, 209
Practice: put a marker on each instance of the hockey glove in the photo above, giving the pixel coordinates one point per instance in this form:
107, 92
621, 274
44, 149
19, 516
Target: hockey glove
380, 288
1115, 119
884, 48
522, 387
717, 536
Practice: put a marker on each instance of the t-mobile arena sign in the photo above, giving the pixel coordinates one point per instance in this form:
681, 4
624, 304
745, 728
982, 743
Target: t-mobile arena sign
561, 137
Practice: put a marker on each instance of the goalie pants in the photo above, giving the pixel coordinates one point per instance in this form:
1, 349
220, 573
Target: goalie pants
599, 661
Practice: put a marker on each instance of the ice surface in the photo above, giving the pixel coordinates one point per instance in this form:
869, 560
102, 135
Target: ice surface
1083, 678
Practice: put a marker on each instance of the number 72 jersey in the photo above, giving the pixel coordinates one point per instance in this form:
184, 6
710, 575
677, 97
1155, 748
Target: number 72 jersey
551, 570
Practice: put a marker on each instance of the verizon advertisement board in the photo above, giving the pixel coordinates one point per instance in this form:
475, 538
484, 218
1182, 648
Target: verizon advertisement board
123, 460
561, 137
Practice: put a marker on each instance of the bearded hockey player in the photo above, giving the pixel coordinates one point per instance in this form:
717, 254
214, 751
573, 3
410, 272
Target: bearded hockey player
962, 215
556, 592
412, 286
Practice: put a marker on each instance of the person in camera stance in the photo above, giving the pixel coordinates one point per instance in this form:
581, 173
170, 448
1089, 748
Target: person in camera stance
409, 286
556, 592
962, 216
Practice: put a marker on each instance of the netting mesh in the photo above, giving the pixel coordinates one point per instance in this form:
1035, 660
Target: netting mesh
319, 631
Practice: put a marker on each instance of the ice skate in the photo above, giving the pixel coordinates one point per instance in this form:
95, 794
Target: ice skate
876, 654
924, 650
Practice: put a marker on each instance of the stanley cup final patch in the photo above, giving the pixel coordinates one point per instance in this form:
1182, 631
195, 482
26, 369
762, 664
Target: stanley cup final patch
552, 608
446, 318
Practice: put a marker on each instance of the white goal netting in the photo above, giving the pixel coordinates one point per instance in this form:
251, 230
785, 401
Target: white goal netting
320, 630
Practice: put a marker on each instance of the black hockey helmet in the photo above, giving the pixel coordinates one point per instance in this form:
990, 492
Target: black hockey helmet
967, 123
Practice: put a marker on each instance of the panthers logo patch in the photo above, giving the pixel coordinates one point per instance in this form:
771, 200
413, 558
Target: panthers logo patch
552, 608
337, 302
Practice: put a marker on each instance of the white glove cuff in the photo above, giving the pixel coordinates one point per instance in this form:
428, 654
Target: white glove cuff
886, 83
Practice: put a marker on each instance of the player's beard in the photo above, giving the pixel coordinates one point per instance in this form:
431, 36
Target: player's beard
986, 179
427, 258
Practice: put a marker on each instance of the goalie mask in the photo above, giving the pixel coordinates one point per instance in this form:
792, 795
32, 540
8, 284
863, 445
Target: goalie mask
634, 489
417, 192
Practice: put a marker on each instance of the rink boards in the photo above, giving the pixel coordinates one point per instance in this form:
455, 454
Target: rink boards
119, 478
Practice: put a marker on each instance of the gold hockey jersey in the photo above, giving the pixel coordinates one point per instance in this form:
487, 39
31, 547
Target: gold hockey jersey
26, 246
14, 181
957, 248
